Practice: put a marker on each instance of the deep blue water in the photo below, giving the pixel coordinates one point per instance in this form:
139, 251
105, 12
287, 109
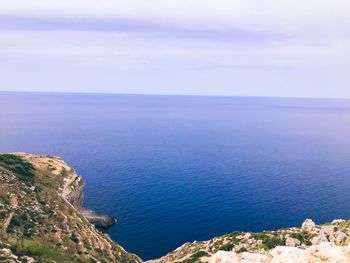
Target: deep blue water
178, 169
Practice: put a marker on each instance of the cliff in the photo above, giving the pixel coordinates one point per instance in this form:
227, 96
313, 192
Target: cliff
42, 220
40, 217
73, 192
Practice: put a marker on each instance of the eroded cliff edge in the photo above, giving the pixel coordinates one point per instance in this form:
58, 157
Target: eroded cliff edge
40, 217
73, 192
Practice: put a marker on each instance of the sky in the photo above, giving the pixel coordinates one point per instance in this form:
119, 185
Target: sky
278, 48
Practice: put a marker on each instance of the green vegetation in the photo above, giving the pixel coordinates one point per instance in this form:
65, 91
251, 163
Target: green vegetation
99, 251
21, 221
38, 250
2, 215
15, 222
195, 257
227, 247
18, 166
303, 237
274, 242
269, 240
241, 250
74, 238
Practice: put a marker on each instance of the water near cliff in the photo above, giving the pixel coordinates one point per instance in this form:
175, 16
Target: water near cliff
177, 169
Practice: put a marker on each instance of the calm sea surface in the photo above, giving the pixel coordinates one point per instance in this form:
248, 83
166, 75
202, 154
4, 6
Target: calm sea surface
178, 169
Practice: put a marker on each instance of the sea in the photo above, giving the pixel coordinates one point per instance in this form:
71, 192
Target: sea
175, 169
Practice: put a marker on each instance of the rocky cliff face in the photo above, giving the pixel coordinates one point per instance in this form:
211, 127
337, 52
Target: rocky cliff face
40, 218
73, 189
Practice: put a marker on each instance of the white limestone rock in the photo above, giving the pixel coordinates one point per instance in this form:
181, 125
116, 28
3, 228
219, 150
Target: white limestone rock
225, 257
287, 255
338, 221
292, 242
324, 252
308, 225
341, 238
319, 239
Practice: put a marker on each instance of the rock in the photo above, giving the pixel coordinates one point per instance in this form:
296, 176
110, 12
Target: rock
224, 257
338, 221
319, 239
73, 190
325, 252
308, 224
250, 241
328, 230
99, 220
247, 257
341, 238
247, 236
7, 253
292, 242
27, 259
288, 255
328, 253
32, 188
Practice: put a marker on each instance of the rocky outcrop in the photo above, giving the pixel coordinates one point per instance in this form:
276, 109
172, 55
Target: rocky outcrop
309, 243
99, 220
73, 189
324, 252
308, 225
73, 192
40, 217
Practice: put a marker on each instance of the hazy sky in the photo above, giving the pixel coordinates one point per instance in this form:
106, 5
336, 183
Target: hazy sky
216, 47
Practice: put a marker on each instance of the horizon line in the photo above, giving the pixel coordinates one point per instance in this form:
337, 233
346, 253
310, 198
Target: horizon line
171, 95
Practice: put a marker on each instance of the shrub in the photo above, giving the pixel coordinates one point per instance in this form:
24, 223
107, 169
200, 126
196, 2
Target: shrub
74, 238
15, 222
303, 237
274, 242
269, 240
17, 165
195, 257
226, 247
241, 250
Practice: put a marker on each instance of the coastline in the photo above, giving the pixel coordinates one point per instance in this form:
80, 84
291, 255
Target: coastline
46, 194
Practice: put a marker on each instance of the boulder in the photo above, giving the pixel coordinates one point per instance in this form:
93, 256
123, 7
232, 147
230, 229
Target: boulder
319, 239
308, 224
288, 255
328, 230
341, 238
292, 242
225, 257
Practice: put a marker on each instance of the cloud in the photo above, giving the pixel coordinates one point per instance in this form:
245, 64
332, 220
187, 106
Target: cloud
285, 16
241, 47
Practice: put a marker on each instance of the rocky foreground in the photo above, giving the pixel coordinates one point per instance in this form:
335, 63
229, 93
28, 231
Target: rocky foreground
309, 243
42, 220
